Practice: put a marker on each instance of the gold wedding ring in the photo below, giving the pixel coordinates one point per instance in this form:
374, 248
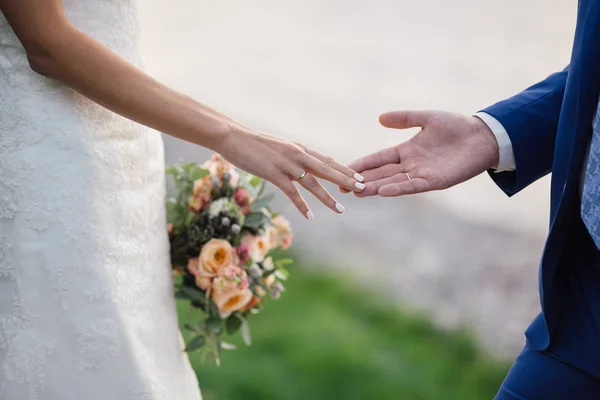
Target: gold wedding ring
302, 176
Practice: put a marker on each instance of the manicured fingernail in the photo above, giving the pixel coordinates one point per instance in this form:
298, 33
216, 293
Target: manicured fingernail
359, 177
339, 207
310, 215
359, 186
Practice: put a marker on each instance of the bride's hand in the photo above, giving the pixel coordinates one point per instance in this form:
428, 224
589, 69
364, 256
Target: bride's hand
58, 50
282, 162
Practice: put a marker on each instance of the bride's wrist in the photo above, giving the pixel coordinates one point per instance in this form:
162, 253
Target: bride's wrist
230, 132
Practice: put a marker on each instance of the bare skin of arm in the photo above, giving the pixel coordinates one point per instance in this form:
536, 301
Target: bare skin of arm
57, 50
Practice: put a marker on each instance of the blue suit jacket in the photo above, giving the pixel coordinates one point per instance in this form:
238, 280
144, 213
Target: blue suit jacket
550, 126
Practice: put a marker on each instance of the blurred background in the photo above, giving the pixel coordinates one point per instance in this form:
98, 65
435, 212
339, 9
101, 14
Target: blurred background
414, 298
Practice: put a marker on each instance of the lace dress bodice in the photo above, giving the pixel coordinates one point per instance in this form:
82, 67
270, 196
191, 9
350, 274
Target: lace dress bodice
86, 302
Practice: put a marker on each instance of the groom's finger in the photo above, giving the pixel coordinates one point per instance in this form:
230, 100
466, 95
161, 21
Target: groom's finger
373, 161
377, 159
413, 186
382, 172
405, 119
372, 187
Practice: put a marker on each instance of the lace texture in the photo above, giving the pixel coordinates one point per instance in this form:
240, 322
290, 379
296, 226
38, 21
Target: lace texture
86, 303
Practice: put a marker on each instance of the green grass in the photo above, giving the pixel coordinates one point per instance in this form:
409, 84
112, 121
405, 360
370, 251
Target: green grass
326, 339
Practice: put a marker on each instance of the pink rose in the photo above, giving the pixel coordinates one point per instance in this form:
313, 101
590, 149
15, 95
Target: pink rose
241, 197
243, 253
286, 243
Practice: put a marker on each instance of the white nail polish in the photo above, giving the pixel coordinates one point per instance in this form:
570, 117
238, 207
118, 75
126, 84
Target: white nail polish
339, 207
359, 186
359, 177
310, 215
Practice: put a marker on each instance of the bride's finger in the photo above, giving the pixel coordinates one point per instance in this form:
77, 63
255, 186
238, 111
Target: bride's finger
322, 170
292, 192
413, 186
376, 174
310, 183
333, 163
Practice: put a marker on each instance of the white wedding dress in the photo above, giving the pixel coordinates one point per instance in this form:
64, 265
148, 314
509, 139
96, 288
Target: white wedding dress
86, 299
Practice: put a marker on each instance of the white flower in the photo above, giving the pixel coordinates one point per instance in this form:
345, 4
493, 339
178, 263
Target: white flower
227, 206
255, 271
276, 290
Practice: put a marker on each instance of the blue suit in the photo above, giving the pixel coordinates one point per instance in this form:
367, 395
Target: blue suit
550, 127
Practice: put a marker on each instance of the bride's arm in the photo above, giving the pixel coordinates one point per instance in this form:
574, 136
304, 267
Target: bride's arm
56, 49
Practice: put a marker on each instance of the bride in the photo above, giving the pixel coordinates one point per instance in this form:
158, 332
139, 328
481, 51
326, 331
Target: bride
86, 302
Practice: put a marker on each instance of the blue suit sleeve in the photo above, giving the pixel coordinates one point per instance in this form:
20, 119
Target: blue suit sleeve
531, 121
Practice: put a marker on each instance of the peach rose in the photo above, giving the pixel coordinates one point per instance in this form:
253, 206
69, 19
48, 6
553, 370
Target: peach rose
200, 202
231, 291
272, 236
218, 166
258, 246
215, 256
282, 224
251, 304
203, 281
284, 230
202, 186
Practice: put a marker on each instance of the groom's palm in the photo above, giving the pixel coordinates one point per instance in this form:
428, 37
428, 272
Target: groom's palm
449, 149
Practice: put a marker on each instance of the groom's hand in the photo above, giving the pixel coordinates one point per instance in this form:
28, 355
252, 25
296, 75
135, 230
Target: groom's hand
450, 149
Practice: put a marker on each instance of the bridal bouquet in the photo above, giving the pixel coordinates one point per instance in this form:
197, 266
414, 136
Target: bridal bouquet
223, 240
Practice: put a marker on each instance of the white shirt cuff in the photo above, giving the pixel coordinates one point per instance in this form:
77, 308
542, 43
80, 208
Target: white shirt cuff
506, 160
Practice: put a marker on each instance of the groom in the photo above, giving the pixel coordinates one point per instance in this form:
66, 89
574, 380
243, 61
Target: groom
553, 126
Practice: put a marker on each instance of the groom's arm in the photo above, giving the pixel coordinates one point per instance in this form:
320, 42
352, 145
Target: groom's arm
525, 126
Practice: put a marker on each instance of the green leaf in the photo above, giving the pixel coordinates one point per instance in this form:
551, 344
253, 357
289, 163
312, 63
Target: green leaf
284, 261
233, 324
213, 311
172, 171
255, 181
194, 294
195, 343
261, 189
282, 273
190, 327
214, 325
254, 220
228, 346
199, 173
245, 330
268, 273
262, 202
181, 295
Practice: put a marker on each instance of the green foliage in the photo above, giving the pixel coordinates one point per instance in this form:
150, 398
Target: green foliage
326, 339
184, 175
